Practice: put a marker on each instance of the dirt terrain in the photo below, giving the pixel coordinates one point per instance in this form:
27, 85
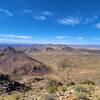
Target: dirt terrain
60, 70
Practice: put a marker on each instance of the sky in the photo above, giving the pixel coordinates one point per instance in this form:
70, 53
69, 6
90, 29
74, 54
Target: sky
50, 21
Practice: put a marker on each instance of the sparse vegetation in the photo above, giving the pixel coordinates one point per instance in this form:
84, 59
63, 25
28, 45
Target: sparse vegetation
56, 86
4, 77
69, 78
53, 86
82, 96
70, 83
46, 97
81, 88
98, 98
10, 97
8, 85
1, 98
87, 82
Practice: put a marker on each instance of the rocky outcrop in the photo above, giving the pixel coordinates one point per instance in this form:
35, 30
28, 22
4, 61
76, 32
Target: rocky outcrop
7, 85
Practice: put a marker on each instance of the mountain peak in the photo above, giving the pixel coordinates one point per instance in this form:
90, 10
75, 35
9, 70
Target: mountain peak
9, 50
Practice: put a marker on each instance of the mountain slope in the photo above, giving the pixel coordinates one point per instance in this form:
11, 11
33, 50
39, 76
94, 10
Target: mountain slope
12, 61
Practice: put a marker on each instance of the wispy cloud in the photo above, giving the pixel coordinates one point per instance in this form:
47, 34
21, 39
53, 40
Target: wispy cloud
39, 17
88, 20
25, 11
42, 15
14, 41
70, 37
62, 37
78, 19
70, 20
77, 38
47, 13
80, 38
12, 38
15, 36
5, 13
98, 25
93, 18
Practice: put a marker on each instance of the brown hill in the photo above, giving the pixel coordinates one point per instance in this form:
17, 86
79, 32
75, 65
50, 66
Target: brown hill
12, 61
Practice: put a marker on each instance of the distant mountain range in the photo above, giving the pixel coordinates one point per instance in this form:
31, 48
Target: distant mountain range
44, 45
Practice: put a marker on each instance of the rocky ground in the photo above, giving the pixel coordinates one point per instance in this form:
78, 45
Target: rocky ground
86, 90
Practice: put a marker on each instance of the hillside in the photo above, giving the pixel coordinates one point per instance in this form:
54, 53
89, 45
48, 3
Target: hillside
12, 61
51, 71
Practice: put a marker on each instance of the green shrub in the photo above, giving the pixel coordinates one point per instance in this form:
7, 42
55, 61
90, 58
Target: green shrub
81, 88
53, 86
98, 98
52, 89
42, 98
70, 84
82, 96
46, 97
11, 97
88, 82
54, 83
64, 88
1, 98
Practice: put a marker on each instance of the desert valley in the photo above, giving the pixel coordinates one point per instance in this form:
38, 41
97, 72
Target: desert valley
49, 72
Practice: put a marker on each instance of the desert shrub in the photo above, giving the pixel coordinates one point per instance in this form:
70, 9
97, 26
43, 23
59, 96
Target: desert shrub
53, 86
98, 98
42, 97
88, 82
15, 97
52, 89
4, 77
46, 97
63, 64
16, 86
64, 88
11, 97
16, 77
54, 83
81, 88
1, 98
82, 96
70, 84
